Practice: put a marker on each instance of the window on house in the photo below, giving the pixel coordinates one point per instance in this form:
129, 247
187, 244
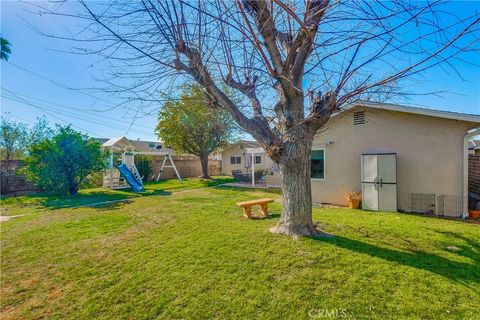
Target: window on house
358, 118
317, 164
235, 160
258, 159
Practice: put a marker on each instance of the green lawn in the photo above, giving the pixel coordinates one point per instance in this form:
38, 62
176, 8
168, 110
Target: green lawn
190, 255
94, 196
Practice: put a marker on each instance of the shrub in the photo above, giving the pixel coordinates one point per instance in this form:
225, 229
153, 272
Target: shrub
144, 166
63, 163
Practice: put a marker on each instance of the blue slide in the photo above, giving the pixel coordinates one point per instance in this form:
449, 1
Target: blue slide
130, 178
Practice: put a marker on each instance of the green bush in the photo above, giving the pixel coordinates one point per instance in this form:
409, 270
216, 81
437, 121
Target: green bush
144, 166
63, 163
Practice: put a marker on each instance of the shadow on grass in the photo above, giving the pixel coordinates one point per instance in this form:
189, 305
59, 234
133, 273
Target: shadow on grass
102, 200
249, 189
187, 183
105, 206
466, 273
269, 217
469, 248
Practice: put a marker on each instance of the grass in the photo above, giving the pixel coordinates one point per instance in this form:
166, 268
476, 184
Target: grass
190, 255
98, 195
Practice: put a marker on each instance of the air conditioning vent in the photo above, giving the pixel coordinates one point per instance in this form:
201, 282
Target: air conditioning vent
358, 118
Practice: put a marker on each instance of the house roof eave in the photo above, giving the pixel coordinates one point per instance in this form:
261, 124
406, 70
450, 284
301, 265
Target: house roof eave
408, 109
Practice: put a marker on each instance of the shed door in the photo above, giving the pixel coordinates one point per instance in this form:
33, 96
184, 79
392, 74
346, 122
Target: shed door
369, 187
379, 182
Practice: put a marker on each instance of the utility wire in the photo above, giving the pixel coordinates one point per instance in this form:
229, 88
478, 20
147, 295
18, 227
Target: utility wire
49, 111
101, 121
67, 122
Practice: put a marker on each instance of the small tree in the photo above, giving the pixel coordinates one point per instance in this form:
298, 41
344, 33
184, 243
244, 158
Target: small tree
62, 164
40, 131
190, 125
144, 165
12, 139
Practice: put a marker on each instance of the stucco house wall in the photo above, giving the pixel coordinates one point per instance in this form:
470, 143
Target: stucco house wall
429, 153
239, 149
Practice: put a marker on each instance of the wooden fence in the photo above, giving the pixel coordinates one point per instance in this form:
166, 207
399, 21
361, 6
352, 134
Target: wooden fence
11, 181
474, 174
187, 166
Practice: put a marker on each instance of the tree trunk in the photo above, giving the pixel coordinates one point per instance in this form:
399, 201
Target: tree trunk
72, 185
296, 219
73, 190
204, 163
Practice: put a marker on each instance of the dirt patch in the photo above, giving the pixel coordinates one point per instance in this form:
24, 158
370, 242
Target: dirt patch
6, 218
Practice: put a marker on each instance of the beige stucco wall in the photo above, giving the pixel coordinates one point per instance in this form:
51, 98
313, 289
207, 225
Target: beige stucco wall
239, 150
429, 153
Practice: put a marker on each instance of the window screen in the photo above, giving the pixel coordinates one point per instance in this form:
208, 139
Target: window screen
317, 164
235, 160
258, 159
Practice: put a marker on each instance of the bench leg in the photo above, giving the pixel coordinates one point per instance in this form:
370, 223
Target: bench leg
264, 209
247, 212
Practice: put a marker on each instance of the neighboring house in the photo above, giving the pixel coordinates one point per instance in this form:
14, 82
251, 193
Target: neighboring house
426, 158
236, 158
151, 146
474, 147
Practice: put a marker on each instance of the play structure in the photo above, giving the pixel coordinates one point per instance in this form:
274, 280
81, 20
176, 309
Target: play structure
122, 171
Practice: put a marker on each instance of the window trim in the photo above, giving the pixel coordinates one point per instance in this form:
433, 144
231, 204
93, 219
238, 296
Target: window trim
324, 163
235, 160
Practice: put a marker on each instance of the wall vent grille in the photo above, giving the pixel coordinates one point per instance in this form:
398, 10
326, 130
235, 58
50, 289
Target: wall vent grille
358, 118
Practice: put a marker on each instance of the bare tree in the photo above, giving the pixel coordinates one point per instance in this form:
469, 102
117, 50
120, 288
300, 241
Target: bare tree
294, 62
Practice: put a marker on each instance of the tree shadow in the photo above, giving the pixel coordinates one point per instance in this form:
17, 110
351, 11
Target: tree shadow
248, 189
115, 204
187, 183
100, 199
269, 217
219, 181
468, 248
465, 273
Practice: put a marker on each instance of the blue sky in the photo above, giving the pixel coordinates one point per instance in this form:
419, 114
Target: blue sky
39, 80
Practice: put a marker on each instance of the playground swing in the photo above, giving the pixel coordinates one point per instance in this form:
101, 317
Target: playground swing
126, 173
172, 165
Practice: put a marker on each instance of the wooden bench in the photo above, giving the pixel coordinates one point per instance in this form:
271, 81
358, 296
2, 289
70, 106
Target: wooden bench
247, 206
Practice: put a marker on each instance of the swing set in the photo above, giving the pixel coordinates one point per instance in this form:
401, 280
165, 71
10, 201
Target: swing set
122, 171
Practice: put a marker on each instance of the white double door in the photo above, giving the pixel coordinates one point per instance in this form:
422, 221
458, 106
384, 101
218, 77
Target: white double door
379, 182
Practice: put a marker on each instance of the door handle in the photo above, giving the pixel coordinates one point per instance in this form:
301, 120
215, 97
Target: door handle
381, 183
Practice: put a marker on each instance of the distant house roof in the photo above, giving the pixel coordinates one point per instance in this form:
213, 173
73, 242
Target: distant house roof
136, 145
474, 145
150, 146
246, 143
415, 110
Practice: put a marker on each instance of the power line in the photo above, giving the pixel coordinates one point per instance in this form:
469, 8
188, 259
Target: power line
59, 84
19, 118
67, 122
49, 112
103, 121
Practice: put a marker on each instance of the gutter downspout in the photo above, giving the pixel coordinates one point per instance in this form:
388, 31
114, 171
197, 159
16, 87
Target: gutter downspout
470, 133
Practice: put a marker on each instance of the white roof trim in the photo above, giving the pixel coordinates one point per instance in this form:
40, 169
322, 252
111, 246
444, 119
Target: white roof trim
121, 142
415, 110
255, 150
